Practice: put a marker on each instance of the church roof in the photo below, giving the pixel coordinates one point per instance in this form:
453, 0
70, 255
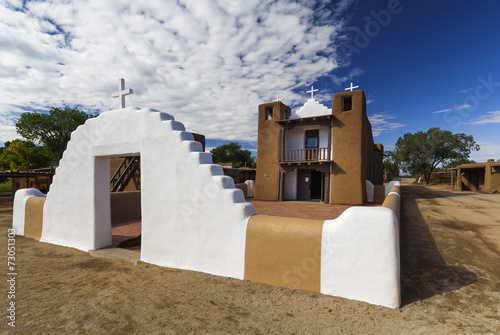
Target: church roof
311, 108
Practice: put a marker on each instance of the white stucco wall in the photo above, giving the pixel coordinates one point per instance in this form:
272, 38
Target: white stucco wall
360, 256
295, 138
250, 187
290, 191
19, 207
192, 216
370, 189
389, 186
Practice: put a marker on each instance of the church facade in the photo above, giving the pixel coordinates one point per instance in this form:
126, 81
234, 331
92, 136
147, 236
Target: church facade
317, 153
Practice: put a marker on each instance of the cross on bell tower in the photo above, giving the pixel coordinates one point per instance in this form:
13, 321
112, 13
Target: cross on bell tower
312, 91
351, 88
122, 92
278, 99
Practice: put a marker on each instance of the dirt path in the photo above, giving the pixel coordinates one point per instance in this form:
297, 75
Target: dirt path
450, 260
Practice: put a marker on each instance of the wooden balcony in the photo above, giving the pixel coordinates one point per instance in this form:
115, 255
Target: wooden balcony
308, 155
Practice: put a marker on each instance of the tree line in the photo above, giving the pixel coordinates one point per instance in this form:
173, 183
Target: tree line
45, 138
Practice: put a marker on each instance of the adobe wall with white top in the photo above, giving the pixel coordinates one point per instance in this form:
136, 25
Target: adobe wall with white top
193, 218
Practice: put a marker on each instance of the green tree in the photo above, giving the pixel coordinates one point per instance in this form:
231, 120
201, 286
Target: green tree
390, 164
457, 162
422, 152
52, 130
233, 153
23, 155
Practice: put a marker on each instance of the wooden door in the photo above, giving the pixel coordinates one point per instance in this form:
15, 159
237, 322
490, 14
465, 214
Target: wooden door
304, 185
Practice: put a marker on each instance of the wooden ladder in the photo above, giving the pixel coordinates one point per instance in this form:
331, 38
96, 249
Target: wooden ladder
124, 173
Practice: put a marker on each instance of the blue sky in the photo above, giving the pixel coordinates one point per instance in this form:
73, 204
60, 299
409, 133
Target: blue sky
210, 63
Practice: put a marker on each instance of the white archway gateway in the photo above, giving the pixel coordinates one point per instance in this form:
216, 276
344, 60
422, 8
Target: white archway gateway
183, 194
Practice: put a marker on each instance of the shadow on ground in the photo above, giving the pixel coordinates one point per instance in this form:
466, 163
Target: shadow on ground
418, 192
424, 273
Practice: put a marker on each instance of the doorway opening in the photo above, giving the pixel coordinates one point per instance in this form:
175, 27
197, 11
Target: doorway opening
316, 185
125, 202
310, 185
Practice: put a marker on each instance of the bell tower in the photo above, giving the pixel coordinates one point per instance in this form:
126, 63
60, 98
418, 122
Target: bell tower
268, 149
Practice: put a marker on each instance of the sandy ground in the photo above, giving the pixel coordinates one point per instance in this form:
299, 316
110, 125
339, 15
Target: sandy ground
450, 263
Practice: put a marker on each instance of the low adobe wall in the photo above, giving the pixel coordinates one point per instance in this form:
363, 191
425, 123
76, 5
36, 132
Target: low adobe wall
247, 188
243, 187
378, 193
125, 205
355, 256
250, 187
393, 201
28, 212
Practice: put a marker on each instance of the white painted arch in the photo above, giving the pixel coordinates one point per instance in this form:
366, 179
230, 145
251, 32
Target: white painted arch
192, 216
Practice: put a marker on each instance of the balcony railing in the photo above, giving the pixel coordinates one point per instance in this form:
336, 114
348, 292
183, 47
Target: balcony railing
305, 155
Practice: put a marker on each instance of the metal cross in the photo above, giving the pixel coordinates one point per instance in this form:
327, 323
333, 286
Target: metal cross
122, 92
278, 98
312, 91
351, 88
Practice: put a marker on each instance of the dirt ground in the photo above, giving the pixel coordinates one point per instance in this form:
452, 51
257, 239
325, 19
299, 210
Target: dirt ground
450, 276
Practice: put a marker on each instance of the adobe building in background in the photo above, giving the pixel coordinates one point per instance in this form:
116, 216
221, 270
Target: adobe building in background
479, 176
317, 153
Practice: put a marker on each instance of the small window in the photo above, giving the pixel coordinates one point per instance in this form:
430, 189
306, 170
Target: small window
269, 113
347, 103
312, 138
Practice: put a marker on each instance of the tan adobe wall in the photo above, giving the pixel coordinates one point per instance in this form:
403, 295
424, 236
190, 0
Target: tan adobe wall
348, 176
494, 179
355, 157
373, 154
378, 193
268, 151
393, 202
33, 219
125, 205
279, 247
240, 175
243, 187
200, 138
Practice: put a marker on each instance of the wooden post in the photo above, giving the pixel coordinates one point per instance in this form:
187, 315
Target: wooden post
282, 186
323, 186
327, 187
330, 141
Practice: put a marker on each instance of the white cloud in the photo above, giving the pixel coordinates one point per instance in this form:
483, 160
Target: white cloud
381, 123
209, 63
461, 107
443, 111
487, 151
490, 117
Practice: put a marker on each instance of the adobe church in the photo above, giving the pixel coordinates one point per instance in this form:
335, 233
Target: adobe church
317, 153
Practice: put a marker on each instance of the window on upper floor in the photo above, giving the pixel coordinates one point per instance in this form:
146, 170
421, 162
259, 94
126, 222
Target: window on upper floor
346, 103
312, 138
269, 113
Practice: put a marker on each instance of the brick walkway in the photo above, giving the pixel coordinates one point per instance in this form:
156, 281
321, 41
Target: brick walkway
299, 209
125, 230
